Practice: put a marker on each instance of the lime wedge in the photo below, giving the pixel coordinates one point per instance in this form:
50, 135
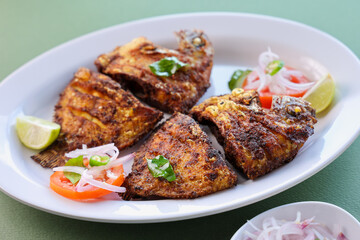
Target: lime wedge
36, 133
321, 94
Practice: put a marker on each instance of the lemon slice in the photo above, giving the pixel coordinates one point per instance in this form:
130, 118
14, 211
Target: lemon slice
36, 133
321, 94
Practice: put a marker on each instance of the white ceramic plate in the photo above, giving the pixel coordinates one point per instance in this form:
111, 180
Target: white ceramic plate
325, 213
238, 40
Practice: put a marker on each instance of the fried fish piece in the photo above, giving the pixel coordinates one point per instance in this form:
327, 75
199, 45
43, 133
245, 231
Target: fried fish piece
94, 110
255, 140
199, 168
129, 64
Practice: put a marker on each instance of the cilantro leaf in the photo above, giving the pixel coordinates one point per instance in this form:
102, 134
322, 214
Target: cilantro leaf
161, 167
166, 66
74, 177
238, 78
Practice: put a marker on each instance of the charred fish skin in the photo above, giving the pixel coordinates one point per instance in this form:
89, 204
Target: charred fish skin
129, 65
257, 141
94, 110
199, 168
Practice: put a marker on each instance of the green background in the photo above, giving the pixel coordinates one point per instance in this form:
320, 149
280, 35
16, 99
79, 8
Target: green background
28, 28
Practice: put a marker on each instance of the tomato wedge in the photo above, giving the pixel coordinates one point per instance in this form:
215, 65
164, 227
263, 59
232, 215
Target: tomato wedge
266, 95
61, 185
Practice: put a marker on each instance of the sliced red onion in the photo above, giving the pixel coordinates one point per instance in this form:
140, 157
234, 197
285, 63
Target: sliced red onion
83, 186
122, 160
267, 57
113, 153
111, 175
127, 165
341, 236
253, 76
337, 232
280, 82
294, 230
253, 226
73, 169
265, 234
90, 180
323, 232
276, 88
254, 85
296, 86
250, 235
291, 228
318, 234
274, 222
309, 235
109, 149
95, 171
306, 222
266, 223
88, 176
288, 73
263, 78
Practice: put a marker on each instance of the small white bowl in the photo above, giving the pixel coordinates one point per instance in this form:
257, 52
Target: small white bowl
325, 213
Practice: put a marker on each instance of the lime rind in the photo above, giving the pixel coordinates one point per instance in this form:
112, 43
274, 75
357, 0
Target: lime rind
321, 94
36, 133
238, 78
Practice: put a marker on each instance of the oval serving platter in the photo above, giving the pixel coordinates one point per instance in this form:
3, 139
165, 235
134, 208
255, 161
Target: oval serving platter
238, 39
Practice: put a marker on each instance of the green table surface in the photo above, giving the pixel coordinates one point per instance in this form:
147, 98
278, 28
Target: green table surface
28, 28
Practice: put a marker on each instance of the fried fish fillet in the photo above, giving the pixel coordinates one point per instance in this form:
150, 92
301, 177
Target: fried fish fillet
256, 141
94, 110
199, 168
129, 64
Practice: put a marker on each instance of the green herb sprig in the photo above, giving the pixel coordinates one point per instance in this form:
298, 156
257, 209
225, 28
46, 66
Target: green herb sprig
74, 177
166, 67
161, 167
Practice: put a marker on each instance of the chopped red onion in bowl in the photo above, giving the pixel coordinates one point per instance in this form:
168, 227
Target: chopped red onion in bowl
318, 220
308, 229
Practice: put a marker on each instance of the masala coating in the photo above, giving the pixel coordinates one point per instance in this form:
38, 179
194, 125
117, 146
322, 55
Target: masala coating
129, 64
255, 140
94, 110
199, 168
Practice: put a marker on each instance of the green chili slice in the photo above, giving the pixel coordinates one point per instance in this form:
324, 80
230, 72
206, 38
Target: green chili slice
97, 160
274, 67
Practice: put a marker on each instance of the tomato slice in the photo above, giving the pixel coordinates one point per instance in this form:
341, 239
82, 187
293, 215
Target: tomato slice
266, 96
61, 185
266, 99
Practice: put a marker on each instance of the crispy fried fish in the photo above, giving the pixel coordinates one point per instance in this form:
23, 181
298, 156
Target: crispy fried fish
94, 110
255, 140
129, 64
199, 168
